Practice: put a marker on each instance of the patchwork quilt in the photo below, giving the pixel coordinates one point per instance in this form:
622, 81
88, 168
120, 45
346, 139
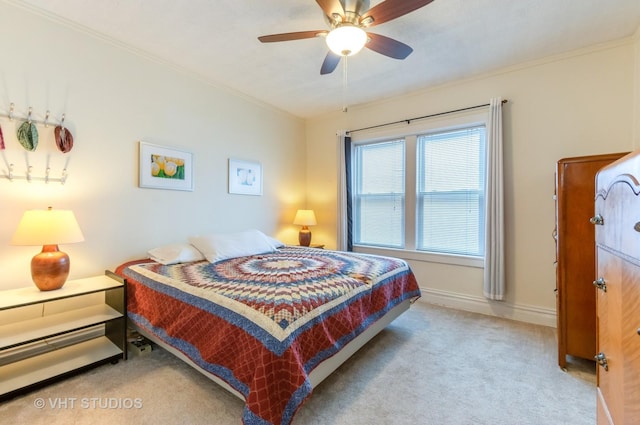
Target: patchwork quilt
262, 323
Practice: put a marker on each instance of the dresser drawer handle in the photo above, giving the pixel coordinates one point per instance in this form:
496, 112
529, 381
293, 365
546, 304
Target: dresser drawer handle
602, 361
600, 284
637, 227
597, 220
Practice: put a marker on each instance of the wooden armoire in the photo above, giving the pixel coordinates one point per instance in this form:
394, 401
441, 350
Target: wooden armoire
617, 227
575, 255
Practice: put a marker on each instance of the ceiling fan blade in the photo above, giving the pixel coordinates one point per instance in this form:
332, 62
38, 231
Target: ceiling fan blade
330, 63
388, 46
392, 9
331, 7
287, 36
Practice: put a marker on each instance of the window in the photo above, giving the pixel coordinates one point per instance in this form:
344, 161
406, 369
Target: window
379, 194
450, 196
434, 205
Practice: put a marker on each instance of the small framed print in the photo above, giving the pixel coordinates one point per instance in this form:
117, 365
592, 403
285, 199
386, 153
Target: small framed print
165, 168
245, 177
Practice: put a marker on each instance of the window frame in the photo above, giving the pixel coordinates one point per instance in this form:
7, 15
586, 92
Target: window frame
410, 133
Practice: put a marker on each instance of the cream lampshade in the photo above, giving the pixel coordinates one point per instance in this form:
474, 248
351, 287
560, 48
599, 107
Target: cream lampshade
49, 268
305, 218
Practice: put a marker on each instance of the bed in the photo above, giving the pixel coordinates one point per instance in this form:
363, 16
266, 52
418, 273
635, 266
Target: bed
268, 327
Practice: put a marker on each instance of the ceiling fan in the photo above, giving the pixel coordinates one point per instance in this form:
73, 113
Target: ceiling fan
348, 20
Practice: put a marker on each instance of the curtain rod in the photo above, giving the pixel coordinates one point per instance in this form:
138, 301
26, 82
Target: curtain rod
408, 121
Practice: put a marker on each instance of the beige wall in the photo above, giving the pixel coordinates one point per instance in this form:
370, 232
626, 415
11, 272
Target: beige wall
112, 99
571, 105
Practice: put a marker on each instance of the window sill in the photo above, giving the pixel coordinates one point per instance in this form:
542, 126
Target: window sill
426, 257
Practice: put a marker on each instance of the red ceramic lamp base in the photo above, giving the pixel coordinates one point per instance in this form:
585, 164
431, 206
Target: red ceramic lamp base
50, 268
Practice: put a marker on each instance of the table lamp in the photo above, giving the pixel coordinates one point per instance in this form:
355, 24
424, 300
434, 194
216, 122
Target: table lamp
305, 218
49, 268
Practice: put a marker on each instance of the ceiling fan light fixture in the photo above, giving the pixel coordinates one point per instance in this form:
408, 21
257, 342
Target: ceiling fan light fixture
346, 40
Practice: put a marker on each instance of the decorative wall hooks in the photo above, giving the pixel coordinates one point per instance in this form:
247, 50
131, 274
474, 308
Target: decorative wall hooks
28, 137
11, 114
30, 177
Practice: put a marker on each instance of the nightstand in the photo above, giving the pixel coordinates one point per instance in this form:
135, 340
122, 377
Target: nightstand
50, 334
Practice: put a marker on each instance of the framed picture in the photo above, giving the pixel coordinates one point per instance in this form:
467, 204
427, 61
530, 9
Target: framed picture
165, 168
245, 177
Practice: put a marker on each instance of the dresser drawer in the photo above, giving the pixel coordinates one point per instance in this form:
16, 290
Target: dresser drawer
608, 313
620, 226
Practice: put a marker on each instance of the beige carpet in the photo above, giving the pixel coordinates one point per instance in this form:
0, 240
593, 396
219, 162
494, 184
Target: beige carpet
430, 366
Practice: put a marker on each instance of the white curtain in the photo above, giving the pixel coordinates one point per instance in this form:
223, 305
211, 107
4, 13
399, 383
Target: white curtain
494, 285
343, 218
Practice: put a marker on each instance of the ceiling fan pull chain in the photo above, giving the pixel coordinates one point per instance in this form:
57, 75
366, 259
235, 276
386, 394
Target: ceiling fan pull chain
345, 85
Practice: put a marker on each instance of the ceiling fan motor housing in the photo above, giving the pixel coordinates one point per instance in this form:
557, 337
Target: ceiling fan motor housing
356, 6
353, 10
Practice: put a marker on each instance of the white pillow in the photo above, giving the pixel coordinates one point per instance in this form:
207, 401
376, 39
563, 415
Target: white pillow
175, 253
231, 245
275, 242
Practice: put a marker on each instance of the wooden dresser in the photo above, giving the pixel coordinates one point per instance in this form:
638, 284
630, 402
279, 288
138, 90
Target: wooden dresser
617, 224
575, 255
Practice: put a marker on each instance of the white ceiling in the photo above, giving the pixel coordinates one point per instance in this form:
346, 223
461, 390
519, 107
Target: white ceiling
452, 39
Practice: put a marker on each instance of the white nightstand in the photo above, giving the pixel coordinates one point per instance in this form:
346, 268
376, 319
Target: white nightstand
46, 335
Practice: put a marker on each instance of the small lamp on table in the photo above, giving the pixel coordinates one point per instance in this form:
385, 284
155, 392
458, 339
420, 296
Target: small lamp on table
49, 268
305, 218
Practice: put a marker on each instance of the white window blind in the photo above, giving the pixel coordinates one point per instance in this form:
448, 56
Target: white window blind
379, 195
450, 192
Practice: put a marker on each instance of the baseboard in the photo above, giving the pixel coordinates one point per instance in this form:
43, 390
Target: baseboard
522, 313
